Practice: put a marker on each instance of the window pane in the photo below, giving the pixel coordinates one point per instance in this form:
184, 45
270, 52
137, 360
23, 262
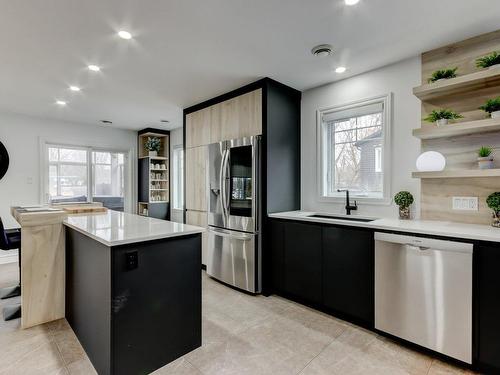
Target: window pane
102, 157
53, 180
109, 179
73, 180
53, 154
72, 155
353, 154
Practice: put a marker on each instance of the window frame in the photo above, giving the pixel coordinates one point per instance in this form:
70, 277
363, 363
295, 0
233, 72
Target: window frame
321, 147
128, 169
178, 178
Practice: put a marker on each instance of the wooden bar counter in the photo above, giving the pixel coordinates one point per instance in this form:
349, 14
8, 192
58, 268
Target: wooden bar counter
43, 261
43, 264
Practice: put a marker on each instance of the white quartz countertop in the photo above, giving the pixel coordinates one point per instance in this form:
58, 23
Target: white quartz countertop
430, 227
117, 228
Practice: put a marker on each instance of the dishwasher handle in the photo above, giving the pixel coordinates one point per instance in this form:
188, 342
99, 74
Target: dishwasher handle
424, 243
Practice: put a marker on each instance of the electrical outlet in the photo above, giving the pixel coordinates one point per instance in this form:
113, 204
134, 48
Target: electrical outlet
466, 203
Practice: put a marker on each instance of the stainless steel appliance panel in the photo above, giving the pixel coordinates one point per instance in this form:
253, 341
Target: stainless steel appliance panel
241, 192
232, 258
216, 162
423, 292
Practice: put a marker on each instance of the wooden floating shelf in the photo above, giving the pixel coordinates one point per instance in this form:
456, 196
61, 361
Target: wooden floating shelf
154, 157
460, 173
466, 83
457, 129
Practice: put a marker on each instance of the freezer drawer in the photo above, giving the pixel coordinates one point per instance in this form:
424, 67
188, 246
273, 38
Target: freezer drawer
232, 258
423, 292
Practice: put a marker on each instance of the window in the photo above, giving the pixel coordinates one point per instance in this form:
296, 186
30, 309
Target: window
178, 178
80, 174
353, 152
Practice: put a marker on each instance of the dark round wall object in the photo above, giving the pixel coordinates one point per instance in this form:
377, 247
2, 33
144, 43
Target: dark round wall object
4, 160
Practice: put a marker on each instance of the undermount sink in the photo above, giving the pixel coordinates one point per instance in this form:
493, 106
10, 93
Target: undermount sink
351, 218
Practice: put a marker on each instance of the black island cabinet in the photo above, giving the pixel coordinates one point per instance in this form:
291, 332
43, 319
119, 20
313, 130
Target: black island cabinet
134, 307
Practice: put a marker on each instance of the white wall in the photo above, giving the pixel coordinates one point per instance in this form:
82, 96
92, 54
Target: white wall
21, 136
399, 79
176, 139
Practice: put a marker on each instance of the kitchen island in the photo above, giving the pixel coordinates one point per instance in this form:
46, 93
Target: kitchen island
133, 290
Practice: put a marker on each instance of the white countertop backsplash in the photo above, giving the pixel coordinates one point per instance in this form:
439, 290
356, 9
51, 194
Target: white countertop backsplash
430, 227
117, 228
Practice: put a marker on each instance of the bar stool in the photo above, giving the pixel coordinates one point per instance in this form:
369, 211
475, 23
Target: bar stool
11, 239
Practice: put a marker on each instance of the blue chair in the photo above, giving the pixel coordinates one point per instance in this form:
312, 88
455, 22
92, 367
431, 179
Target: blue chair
11, 239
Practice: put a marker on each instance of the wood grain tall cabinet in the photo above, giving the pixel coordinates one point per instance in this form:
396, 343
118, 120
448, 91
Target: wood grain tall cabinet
154, 176
267, 108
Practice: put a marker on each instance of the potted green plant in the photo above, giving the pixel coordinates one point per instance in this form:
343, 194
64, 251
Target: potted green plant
404, 200
153, 145
493, 202
442, 116
492, 107
490, 61
485, 157
441, 74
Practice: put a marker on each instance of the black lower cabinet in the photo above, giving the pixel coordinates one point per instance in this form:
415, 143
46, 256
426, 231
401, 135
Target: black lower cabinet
277, 258
302, 261
487, 295
348, 273
326, 266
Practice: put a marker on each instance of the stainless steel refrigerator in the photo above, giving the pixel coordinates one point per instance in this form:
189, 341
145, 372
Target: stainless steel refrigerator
233, 254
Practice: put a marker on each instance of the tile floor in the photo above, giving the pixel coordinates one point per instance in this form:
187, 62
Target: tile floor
241, 335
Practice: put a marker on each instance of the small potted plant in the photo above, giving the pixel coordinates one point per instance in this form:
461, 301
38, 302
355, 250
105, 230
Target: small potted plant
441, 74
485, 157
493, 202
490, 61
442, 116
492, 107
153, 145
404, 200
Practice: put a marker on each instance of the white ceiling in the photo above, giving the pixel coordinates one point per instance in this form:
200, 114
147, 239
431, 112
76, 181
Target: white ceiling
186, 51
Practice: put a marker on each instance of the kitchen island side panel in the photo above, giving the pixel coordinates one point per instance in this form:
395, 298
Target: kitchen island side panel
88, 291
156, 303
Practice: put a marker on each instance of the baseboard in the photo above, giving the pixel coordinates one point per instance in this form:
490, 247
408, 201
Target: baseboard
10, 258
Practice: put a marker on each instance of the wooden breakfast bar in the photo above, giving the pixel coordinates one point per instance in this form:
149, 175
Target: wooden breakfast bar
42, 264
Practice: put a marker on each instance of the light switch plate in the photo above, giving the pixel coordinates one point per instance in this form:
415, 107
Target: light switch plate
466, 203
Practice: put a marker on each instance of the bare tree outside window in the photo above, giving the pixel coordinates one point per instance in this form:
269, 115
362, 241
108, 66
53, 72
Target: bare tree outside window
353, 150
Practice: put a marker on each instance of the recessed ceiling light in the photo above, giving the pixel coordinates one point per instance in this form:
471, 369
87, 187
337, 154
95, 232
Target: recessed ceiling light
94, 68
107, 122
61, 102
74, 88
340, 69
322, 50
351, 2
124, 34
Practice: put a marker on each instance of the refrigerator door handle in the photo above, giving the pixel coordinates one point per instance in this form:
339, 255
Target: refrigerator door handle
223, 186
235, 235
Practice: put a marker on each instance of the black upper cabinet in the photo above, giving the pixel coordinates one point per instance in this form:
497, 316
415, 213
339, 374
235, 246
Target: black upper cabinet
302, 261
348, 273
487, 286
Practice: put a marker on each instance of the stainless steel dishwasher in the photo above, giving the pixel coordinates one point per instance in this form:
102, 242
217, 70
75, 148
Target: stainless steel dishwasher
423, 292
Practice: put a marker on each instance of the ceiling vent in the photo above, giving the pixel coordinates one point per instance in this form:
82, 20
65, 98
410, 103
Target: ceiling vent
322, 50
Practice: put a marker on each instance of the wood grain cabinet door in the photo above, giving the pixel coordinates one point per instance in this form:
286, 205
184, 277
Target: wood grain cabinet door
241, 116
196, 161
199, 218
198, 128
